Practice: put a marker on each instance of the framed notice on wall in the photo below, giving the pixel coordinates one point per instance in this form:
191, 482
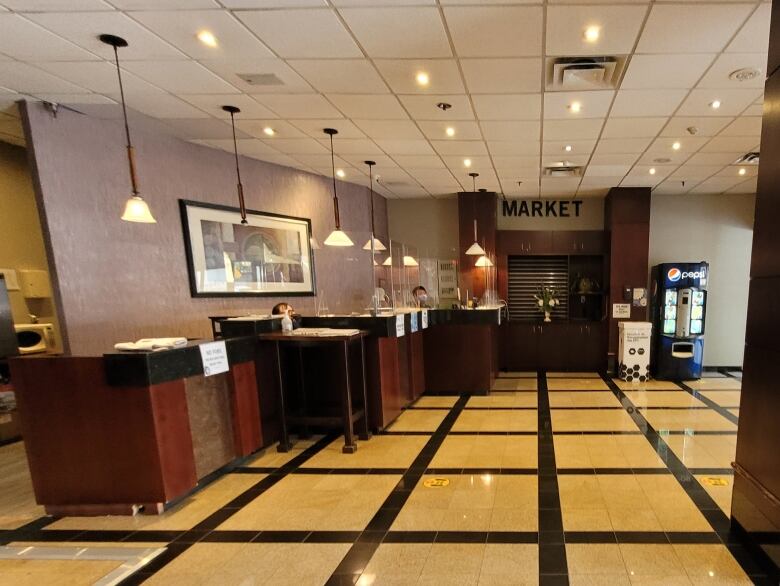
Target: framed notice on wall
269, 256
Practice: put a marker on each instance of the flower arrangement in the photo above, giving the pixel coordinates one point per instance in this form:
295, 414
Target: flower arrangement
546, 300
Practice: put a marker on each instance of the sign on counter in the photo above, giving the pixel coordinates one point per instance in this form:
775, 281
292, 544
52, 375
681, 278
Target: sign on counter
424, 318
621, 310
214, 358
399, 325
413, 315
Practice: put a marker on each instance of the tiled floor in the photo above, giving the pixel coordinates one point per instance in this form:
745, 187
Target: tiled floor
549, 479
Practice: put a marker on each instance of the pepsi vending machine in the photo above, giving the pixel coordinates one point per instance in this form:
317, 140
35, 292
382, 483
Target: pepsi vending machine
679, 302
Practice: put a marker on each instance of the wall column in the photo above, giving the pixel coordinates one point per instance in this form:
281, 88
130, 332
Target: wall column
482, 206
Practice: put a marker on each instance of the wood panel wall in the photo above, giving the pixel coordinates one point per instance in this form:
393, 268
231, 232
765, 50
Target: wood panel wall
482, 206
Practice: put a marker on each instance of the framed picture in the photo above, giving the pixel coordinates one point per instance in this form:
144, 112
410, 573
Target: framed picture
269, 256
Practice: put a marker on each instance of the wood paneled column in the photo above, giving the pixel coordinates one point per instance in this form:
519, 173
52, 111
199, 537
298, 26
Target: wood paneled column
482, 206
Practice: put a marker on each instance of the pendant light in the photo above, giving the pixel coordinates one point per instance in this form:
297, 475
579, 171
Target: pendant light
136, 209
475, 249
373, 243
483, 261
337, 237
233, 110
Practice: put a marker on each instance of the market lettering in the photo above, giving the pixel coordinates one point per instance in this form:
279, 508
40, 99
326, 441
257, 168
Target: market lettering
550, 208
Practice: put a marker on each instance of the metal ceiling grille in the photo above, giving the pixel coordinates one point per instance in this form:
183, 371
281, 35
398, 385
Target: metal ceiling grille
526, 275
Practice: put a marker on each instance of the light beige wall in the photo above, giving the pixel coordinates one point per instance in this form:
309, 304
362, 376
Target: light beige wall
21, 240
429, 224
717, 229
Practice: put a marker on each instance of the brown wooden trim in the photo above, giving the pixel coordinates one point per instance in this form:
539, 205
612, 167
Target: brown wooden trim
247, 426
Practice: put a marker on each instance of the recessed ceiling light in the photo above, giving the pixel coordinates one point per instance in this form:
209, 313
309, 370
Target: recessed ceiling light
467, 162
567, 148
207, 38
715, 104
676, 146
592, 34
422, 78
450, 131
575, 107
742, 171
268, 131
340, 173
652, 170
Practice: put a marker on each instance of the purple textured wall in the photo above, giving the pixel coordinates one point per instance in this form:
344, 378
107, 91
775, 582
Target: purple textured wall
118, 281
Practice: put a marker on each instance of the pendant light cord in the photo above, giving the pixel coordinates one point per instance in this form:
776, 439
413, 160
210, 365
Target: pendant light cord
241, 205
130, 154
335, 197
371, 187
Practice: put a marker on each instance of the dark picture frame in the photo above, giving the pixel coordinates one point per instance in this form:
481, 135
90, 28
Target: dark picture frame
270, 256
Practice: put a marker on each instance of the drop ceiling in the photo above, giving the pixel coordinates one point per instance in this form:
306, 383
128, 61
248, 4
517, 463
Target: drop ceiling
352, 65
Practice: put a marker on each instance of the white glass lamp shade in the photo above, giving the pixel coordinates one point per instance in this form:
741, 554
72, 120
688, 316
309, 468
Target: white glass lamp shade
484, 261
338, 238
137, 210
409, 261
378, 246
475, 250
388, 261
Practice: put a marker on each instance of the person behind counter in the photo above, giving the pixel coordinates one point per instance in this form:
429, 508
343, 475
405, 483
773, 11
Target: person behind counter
420, 296
287, 309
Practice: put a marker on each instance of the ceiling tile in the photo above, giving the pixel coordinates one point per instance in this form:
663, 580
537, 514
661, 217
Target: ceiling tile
163, 4
694, 173
347, 76
753, 37
181, 27
716, 185
506, 164
234, 71
730, 144
212, 103
578, 147
250, 147
74, 99
614, 159
687, 144
665, 71
463, 130
640, 176
49, 5
424, 107
633, 127
419, 161
496, 31
299, 105
461, 172
594, 104
600, 182
434, 177
754, 110
744, 126
513, 147
619, 27
203, 128
383, 162
559, 186
304, 33
727, 63
98, 76
668, 28
749, 186
646, 102
502, 76
22, 39
732, 102
672, 187
607, 171
319, 160
281, 128
83, 28
679, 125
186, 77
734, 171
618, 146
27, 79
390, 129
465, 148
415, 32
721, 159
298, 146
314, 127
525, 189
405, 147
572, 129
380, 107
162, 105
508, 106
664, 158
511, 130
557, 159
400, 75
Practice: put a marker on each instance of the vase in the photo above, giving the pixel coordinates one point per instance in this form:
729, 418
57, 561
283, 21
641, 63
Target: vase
547, 316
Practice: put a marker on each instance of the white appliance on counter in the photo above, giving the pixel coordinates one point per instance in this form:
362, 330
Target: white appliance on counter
35, 338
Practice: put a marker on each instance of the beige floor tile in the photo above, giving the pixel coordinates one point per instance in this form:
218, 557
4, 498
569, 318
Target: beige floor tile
270, 458
651, 385
705, 384
343, 502
599, 580
573, 375
719, 487
681, 420
486, 451
434, 401
576, 384
517, 374
586, 519
472, 420
711, 564
418, 420
514, 384
607, 420
594, 558
17, 500
723, 398
185, 515
663, 399
510, 564
583, 399
654, 560
605, 451
518, 399
703, 451
396, 560
381, 451
59, 572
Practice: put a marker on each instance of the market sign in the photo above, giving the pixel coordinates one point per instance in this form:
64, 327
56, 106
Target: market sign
551, 214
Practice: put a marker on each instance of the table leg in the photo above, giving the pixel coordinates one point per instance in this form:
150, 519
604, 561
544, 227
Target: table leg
284, 440
305, 432
365, 433
350, 447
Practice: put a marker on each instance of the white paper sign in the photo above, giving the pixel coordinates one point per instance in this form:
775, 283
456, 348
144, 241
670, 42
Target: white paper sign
424, 318
214, 358
413, 317
399, 325
621, 310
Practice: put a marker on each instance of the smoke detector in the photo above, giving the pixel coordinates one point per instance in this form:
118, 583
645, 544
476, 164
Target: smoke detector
747, 159
662, 160
583, 73
745, 74
260, 79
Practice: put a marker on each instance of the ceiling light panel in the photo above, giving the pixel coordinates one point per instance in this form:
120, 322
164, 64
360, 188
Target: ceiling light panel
665, 71
424, 107
618, 27
401, 75
732, 102
403, 32
508, 106
299, 105
305, 33
356, 76
669, 27
630, 103
22, 39
496, 31
378, 107
594, 104
235, 72
502, 76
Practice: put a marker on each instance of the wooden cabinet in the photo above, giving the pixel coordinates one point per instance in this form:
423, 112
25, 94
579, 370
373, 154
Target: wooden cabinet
574, 346
578, 242
568, 242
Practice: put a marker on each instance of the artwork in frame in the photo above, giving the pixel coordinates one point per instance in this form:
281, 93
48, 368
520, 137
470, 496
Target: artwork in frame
269, 256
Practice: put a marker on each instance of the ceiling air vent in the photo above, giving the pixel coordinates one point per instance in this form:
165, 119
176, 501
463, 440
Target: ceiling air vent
583, 73
748, 159
260, 78
563, 169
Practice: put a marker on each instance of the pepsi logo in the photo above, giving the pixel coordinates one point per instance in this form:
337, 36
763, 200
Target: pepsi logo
674, 275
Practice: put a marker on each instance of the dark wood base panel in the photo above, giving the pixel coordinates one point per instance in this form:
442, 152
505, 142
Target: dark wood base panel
460, 358
557, 346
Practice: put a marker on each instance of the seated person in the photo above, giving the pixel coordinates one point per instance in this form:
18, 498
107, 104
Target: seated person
282, 308
420, 296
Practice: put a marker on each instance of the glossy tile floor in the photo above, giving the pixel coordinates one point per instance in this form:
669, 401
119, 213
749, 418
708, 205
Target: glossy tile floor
553, 479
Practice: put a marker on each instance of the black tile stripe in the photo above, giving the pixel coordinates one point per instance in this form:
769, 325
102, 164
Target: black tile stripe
711, 404
360, 553
756, 569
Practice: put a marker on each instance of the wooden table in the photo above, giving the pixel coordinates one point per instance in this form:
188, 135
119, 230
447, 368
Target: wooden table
349, 416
